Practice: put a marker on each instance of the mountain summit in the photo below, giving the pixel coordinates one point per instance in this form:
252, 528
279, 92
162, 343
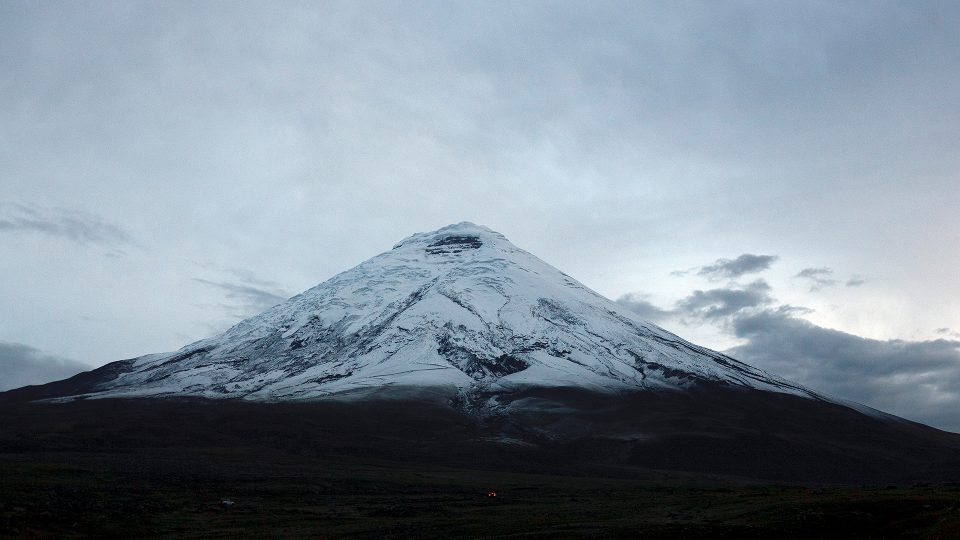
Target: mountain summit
459, 310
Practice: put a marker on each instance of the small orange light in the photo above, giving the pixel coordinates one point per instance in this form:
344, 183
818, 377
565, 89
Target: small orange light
492, 494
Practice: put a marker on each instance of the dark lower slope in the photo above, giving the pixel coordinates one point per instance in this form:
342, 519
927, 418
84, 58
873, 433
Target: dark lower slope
743, 433
711, 431
81, 383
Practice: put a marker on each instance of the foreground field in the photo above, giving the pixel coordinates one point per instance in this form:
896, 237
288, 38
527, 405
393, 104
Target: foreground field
220, 496
202, 471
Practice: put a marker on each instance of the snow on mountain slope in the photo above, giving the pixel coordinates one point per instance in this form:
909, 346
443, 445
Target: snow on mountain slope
460, 309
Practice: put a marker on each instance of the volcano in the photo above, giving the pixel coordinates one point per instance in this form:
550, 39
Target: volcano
458, 311
464, 323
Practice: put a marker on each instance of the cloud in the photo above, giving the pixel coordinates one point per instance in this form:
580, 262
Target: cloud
641, 306
248, 295
856, 281
21, 365
919, 380
719, 303
734, 268
820, 278
74, 225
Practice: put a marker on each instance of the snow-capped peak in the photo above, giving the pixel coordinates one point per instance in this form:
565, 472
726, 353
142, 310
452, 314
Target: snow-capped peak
460, 310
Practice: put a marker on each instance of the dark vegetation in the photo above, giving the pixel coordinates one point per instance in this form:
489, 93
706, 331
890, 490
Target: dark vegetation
713, 465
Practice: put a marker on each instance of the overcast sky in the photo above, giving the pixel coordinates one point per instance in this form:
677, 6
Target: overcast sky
778, 179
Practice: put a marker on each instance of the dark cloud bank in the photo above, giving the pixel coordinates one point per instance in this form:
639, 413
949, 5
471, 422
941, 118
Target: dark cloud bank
918, 380
22, 365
